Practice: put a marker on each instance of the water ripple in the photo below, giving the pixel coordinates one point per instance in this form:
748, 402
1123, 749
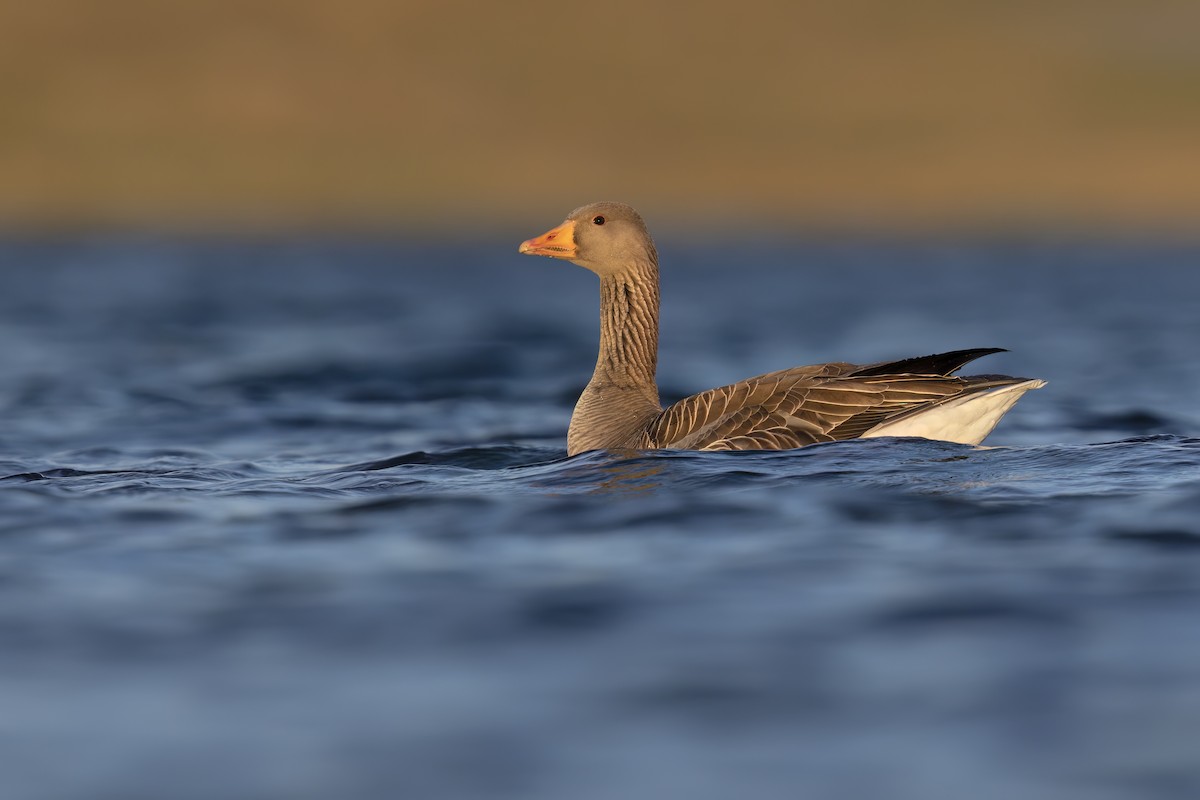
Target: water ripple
298, 518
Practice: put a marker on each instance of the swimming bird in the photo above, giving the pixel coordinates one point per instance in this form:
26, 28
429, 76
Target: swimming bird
781, 410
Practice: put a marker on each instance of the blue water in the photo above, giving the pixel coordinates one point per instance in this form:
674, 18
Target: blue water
293, 519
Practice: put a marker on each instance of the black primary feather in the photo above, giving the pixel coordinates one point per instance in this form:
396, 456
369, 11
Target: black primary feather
936, 364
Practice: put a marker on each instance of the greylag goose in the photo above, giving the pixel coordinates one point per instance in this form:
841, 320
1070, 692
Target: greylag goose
791, 408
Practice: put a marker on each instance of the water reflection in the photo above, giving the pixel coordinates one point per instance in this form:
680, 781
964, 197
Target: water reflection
608, 472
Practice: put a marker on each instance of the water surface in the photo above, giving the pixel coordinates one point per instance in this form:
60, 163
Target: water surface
294, 518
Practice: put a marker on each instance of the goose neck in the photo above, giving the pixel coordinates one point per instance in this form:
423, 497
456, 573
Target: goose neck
629, 327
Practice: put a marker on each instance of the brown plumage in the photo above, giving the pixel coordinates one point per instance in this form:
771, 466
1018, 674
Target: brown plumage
620, 409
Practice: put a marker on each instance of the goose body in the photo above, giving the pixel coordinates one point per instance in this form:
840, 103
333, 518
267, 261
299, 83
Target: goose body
791, 408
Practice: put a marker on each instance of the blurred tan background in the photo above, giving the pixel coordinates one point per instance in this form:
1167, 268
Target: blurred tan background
427, 117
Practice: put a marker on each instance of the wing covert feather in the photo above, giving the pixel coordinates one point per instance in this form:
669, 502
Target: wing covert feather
793, 408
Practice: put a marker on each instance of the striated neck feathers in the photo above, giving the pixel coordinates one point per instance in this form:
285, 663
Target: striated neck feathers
629, 327
622, 397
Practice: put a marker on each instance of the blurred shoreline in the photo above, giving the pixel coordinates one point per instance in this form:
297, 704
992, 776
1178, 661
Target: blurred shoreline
417, 119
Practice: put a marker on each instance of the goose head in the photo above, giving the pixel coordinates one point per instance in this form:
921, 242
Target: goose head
607, 238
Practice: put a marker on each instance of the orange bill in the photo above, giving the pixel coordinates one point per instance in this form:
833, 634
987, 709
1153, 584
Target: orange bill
556, 243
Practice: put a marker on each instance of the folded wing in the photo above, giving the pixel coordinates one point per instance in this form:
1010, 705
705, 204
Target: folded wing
829, 402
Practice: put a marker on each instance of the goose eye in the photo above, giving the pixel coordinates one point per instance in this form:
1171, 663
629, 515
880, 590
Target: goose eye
598, 220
